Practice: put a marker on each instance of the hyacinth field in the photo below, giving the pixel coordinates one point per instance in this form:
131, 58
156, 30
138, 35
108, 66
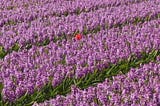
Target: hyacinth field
79, 52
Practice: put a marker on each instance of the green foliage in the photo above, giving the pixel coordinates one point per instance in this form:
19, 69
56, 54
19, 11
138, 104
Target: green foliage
46, 42
2, 52
16, 47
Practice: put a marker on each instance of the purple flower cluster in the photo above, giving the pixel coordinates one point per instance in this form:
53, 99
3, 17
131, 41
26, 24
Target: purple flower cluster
140, 87
158, 59
15, 4
52, 27
27, 71
29, 11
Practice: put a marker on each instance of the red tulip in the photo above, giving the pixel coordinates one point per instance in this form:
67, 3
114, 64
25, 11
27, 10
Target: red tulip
78, 37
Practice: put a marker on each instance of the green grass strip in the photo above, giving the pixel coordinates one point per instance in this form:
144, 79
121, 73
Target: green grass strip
98, 76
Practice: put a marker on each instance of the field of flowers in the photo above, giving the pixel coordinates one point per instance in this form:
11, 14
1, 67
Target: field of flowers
79, 52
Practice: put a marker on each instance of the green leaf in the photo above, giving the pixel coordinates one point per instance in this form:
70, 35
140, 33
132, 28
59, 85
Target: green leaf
23, 97
2, 52
16, 47
46, 42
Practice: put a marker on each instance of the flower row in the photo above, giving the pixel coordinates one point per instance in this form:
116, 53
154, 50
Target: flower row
32, 12
40, 30
13, 5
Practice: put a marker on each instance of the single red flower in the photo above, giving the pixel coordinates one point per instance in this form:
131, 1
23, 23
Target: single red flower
78, 37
